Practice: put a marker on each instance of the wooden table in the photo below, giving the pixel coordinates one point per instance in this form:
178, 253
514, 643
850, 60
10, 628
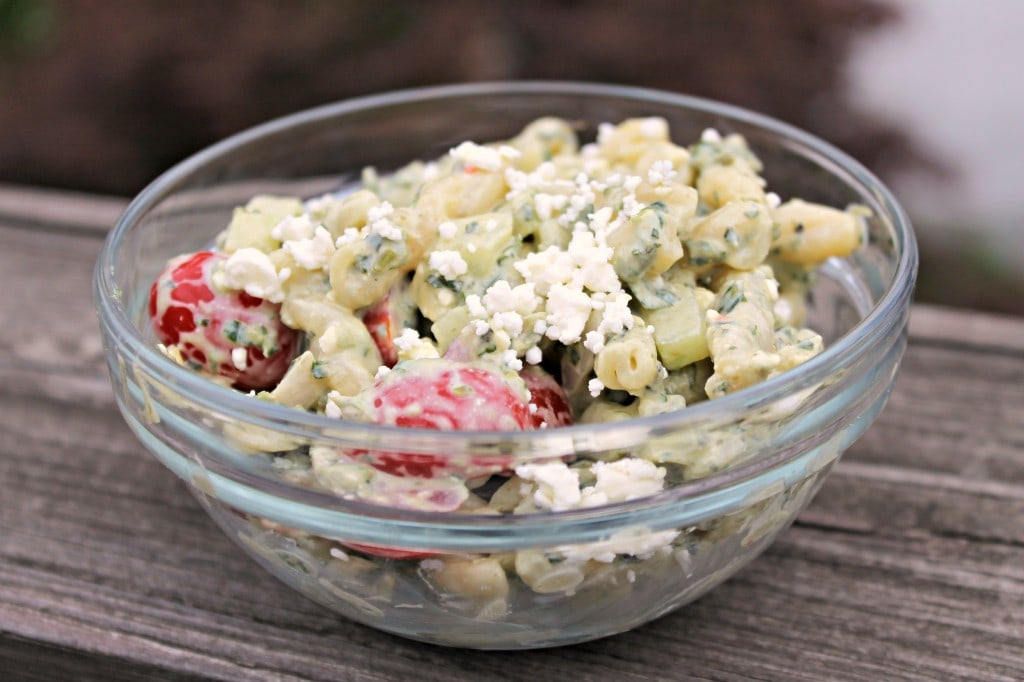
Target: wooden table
908, 565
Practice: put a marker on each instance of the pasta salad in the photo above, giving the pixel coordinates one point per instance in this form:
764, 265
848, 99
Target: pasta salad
531, 283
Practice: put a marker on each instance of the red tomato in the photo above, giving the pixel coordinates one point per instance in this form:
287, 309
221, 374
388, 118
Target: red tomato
389, 552
383, 324
207, 324
446, 396
386, 318
552, 406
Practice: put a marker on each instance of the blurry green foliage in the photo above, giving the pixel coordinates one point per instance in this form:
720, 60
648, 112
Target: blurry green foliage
25, 26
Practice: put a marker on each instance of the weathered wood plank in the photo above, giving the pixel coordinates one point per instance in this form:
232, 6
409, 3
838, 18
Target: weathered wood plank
57, 211
908, 565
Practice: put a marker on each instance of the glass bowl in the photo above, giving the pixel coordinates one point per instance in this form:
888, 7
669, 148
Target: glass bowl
750, 461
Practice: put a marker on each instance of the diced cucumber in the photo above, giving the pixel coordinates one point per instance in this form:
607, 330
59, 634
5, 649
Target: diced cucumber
251, 226
679, 331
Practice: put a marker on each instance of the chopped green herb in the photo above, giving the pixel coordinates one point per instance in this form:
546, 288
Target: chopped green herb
232, 330
731, 297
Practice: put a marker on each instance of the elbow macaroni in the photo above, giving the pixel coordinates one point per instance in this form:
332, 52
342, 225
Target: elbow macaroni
675, 271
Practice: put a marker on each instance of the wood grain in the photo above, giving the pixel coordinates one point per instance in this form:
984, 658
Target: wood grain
908, 565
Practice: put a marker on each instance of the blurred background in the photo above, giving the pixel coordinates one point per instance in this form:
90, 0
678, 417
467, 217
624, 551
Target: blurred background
102, 95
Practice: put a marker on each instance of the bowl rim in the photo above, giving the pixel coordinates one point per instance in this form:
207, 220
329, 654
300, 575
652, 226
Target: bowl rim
886, 313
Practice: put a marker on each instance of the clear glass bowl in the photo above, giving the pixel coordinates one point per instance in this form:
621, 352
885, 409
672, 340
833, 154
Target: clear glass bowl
509, 581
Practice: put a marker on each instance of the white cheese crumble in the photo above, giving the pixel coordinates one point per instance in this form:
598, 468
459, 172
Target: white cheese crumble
479, 156
511, 360
534, 355
661, 172
312, 253
710, 135
773, 200
411, 346
293, 228
595, 386
449, 264
594, 342
557, 486
350, 235
239, 358
624, 479
378, 222
250, 270
447, 229
502, 310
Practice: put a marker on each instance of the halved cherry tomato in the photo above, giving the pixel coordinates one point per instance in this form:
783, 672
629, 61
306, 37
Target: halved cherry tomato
386, 318
433, 393
552, 406
389, 552
208, 324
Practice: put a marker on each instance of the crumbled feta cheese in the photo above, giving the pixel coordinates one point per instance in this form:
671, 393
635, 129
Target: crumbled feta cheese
378, 222
773, 200
319, 205
449, 264
239, 358
568, 310
475, 306
661, 172
379, 212
542, 204
710, 135
447, 229
626, 479
382, 372
350, 235
293, 228
616, 316
534, 355
250, 270
411, 346
511, 360
502, 309
594, 342
479, 156
313, 253
557, 486
595, 386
